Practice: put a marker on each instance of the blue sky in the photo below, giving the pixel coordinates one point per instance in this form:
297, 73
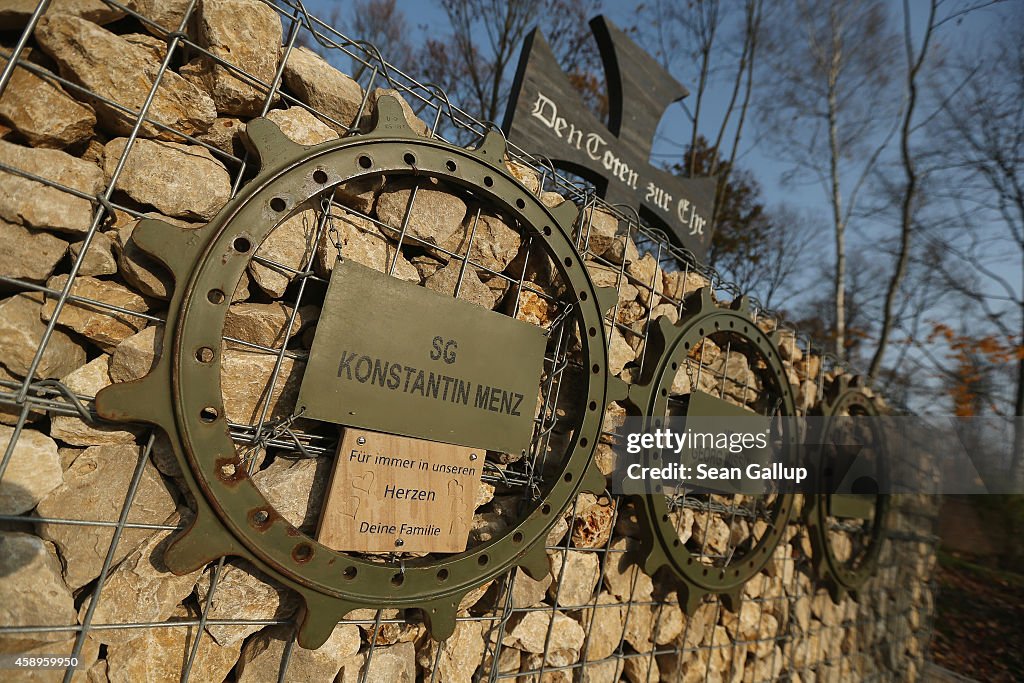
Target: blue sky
425, 16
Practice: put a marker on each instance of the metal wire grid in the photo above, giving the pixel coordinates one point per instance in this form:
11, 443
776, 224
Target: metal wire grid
781, 649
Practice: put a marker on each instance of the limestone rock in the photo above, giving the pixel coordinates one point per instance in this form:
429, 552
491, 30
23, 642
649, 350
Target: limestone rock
413, 121
318, 84
680, 284
375, 251
530, 631
263, 655
669, 311
296, 489
245, 34
21, 331
710, 532
647, 277
551, 199
557, 532
809, 366
535, 309
123, 72
639, 627
14, 14
619, 353
27, 254
94, 488
622, 248
139, 269
593, 522
243, 592
486, 527
605, 458
99, 257
32, 592
603, 626
528, 177
300, 126
245, 383
602, 227
806, 395
40, 206
140, 589
527, 592
788, 348
630, 312
290, 244
498, 285
225, 134
555, 664
265, 324
135, 356
32, 471
494, 245
104, 327
160, 654
166, 14
575, 573
459, 655
392, 663
473, 290
669, 620
87, 381
437, 215
157, 48
603, 671
360, 195
347, 226
44, 114
620, 569
604, 276
484, 494
641, 670
176, 179
509, 660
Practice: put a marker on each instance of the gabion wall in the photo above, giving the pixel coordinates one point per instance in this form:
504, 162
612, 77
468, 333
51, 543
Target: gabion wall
118, 112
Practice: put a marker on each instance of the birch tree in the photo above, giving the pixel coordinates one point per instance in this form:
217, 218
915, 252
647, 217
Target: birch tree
827, 106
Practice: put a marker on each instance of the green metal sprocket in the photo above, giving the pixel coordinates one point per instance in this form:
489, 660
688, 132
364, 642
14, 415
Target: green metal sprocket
233, 518
669, 346
846, 396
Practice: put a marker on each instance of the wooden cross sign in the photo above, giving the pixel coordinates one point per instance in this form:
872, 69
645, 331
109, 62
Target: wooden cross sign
545, 112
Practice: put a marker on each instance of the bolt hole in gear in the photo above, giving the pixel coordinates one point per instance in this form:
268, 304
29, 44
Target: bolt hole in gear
847, 528
719, 358
225, 443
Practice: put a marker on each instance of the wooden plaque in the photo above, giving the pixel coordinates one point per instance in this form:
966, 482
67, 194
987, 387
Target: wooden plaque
391, 493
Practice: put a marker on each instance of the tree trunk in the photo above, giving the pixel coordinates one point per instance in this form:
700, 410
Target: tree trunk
910, 187
839, 283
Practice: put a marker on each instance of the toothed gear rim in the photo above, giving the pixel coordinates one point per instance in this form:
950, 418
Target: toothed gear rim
842, 577
703, 319
206, 264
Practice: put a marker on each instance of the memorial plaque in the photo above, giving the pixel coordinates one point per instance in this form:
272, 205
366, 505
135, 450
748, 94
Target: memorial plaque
391, 493
395, 357
546, 113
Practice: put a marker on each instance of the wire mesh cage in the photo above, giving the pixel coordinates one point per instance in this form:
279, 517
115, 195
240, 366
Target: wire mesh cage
145, 110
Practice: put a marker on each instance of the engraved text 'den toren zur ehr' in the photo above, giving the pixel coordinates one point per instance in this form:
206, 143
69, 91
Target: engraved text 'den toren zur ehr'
392, 356
546, 113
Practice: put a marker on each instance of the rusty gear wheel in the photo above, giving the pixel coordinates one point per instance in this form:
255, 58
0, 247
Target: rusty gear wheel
682, 348
847, 530
182, 394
